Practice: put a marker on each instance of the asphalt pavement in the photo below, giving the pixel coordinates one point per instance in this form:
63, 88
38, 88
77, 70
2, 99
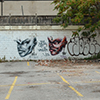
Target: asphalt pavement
26, 80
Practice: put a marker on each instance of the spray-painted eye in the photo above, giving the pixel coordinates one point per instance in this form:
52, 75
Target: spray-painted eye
28, 41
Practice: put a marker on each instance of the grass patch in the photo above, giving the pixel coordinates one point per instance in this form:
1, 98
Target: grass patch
94, 57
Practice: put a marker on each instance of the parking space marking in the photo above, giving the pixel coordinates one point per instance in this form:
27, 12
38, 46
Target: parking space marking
75, 91
32, 84
25, 84
28, 64
63, 79
87, 82
97, 72
79, 94
11, 88
50, 83
5, 85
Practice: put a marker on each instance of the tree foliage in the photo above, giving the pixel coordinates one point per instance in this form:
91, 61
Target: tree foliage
79, 11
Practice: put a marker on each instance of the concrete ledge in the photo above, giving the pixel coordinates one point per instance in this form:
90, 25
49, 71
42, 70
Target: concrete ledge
71, 27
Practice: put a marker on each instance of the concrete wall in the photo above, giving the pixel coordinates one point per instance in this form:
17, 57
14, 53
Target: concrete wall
29, 8
40, 43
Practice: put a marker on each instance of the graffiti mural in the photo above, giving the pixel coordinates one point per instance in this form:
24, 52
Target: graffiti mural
56, 45
26, 46
46, 54
75, 46
83, 46
42, 46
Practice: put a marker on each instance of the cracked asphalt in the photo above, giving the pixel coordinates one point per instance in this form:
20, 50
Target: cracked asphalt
30, 80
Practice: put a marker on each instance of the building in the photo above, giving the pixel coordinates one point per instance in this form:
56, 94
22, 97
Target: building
27, 7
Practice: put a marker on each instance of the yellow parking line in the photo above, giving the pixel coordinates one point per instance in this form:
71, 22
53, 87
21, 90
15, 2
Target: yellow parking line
28, 64
11, 88
75, 91
50, 83
32, 84
97, 72
5, 85
64, 79
25, 84
71, 86
87, 82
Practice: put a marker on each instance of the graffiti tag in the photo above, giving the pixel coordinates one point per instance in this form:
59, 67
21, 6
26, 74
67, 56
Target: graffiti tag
42, 46
46, 54
83, 46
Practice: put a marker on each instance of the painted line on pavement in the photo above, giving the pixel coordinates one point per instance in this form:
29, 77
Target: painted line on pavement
25, 84
63, 79
87, 82
11, 88
75, 91
32, 84
79, 94
28, 64
97, 72
50, 83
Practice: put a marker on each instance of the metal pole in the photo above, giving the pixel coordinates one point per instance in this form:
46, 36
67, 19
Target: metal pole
22, 10
35, 18
1, 8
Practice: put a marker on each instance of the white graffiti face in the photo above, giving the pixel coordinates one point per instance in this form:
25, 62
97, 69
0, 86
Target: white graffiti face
83, 46
26, 46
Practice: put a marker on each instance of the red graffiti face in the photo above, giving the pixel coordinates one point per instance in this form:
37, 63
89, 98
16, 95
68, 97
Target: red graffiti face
56, 45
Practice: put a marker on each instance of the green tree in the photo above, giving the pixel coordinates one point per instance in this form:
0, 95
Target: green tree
79, 11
